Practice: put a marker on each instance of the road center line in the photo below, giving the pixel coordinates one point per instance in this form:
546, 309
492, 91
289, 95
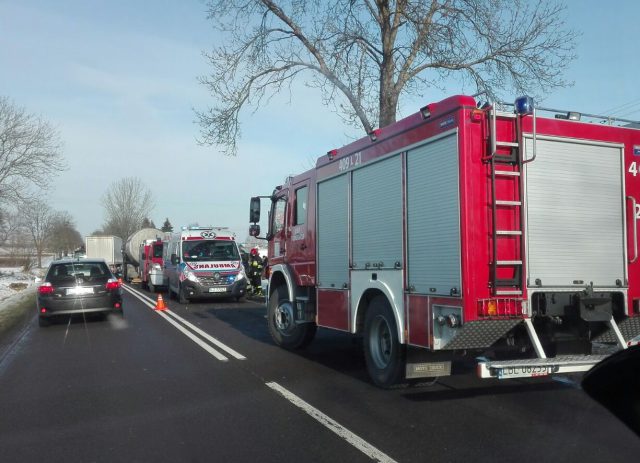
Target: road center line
180, 328
359, 443
207, 336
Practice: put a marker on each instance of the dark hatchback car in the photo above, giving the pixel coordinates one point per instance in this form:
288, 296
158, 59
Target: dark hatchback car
78, 286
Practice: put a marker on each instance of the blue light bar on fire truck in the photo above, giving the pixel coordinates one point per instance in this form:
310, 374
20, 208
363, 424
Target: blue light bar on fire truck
524, 105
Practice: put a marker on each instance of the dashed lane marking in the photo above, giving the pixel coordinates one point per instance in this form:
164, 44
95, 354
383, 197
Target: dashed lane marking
332, 425
179, 327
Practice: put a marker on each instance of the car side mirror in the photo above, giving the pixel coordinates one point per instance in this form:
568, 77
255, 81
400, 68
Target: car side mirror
254, 230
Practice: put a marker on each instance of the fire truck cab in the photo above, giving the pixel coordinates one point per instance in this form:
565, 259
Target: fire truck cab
485, 229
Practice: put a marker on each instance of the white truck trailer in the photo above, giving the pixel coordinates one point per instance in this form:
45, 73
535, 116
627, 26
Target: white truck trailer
108, 248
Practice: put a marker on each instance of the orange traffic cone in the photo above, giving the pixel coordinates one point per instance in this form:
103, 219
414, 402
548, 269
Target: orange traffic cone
160, 303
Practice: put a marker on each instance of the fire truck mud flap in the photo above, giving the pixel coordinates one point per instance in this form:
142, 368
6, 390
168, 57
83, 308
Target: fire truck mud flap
531, 368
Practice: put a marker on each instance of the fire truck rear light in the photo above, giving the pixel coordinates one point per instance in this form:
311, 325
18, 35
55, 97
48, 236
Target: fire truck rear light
476, 115
501, 307
492, 308
524, 105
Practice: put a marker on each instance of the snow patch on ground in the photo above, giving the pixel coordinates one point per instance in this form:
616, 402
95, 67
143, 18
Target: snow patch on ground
16, 277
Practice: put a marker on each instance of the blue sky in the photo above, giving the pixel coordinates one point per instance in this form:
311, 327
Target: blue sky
119, 81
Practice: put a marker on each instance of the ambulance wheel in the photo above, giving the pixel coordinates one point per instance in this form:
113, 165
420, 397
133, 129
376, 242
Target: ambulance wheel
383, 353
284, 331
182, 296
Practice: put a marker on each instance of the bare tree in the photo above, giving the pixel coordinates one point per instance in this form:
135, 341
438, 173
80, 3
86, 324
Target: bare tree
126, 203
364, 54
30, 152
63, 237
9, 224
37, 219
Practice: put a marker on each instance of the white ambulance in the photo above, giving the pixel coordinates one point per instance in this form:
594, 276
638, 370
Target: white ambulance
203, 262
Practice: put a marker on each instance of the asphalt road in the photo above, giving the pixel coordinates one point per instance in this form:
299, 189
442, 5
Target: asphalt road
203, 382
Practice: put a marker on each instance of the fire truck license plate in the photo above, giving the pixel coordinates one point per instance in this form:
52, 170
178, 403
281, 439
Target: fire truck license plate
217, 290
524, 371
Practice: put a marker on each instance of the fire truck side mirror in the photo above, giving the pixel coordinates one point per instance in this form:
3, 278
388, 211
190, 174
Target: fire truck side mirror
254, 230
254, 210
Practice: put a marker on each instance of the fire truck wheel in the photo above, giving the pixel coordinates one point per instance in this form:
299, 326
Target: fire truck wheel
282, 327
384, 356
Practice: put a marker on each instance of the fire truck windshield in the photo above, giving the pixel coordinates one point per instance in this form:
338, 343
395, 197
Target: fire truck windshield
209, 250
157, 250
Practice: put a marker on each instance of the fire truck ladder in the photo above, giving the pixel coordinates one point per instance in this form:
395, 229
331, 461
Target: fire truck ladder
507, 194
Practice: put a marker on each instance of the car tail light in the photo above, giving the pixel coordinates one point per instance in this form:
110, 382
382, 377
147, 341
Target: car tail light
116, 305
43, 310
46, 288
112, 283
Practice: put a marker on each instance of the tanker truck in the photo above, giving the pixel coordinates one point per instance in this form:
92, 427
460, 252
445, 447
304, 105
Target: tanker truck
134, 255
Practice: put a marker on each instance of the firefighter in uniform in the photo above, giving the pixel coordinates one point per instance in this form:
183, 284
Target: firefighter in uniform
255, 271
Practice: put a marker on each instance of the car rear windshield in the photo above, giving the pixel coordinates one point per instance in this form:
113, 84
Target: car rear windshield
79, 273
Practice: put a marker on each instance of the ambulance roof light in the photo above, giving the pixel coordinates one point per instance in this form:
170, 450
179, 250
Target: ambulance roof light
524, 105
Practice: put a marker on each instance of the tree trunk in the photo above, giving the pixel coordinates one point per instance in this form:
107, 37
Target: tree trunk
388, 106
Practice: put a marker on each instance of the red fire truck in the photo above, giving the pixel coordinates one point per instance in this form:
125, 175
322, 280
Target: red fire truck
493, 230
150, 264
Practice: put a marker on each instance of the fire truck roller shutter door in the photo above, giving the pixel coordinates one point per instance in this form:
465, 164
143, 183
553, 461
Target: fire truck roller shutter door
433, 217
377, 214
333, 232
333, 251
575, 214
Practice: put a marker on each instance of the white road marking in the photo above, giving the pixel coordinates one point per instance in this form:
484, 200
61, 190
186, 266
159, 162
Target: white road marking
328, 422
359, 443
208, 337
180, 328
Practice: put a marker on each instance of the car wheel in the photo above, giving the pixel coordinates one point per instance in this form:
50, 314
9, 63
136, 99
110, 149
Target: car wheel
284, 331
383, 353
182, 296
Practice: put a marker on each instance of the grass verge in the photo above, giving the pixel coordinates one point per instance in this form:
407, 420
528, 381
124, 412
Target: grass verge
19, 311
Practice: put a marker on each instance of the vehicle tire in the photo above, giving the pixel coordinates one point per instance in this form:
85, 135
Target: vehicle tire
151, 288
182, 296
43, 322
383, 353
283, 329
